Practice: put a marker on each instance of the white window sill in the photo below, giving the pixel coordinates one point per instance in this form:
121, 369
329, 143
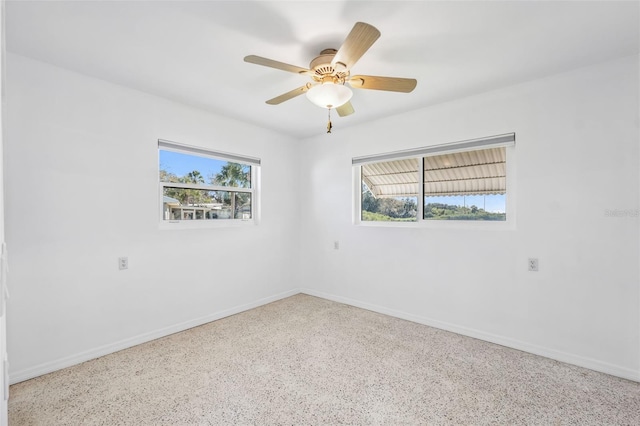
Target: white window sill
443, 224
205, 224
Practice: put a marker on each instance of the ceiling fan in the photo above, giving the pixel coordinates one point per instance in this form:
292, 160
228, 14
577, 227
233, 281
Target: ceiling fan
331, 70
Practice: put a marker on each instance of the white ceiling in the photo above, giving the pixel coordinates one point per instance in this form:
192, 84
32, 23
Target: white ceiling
192, 51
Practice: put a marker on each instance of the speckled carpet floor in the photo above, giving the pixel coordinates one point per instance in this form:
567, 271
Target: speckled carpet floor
310, 361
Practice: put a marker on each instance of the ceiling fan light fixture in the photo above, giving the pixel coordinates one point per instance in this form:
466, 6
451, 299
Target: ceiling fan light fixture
329, 95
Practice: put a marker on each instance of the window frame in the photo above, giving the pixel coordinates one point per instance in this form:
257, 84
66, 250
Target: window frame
504, 140
253, 162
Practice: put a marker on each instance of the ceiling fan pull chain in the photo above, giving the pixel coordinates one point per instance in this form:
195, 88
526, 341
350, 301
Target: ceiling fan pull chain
329, 125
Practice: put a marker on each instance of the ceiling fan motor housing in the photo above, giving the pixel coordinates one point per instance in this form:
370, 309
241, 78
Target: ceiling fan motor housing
323, 70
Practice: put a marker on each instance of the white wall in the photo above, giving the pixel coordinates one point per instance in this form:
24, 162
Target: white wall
81, 190
3, 317
576, 156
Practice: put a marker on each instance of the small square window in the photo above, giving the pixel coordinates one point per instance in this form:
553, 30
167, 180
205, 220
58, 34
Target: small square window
201, 185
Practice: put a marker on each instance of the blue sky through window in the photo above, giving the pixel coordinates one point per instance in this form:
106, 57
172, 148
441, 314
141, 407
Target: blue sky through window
181, 164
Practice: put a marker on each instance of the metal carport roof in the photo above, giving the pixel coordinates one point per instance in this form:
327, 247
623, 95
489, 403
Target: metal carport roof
477, 172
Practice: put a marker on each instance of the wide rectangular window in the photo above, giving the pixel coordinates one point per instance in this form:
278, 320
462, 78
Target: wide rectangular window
461, 181
202, 185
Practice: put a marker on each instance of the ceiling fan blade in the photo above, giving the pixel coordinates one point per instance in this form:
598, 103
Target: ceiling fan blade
359, 40
289, 95
391, 84
259, 60
346, 109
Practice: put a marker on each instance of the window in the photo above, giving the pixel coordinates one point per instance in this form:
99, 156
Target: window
390, 190
201, 185
461, 181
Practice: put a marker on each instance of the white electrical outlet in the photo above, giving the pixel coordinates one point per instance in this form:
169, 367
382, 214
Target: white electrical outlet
123, 263
533, 264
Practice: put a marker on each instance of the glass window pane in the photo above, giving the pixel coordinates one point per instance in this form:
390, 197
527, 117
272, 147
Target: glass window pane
394, 209
201, 204
465, 207
390, 191
198, 170
467, 185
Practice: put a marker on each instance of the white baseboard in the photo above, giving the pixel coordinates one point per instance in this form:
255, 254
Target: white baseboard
48, 367
592, 364
69, 361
